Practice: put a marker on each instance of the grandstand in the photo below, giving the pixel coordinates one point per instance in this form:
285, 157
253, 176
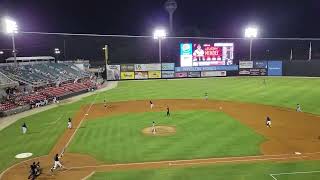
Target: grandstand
38, 81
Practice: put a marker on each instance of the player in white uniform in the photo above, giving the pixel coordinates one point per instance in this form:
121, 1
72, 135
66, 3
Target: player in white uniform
56, 163
24, 128
151, 105
69, 124
298, 108
268, 122
206, 96
153, 128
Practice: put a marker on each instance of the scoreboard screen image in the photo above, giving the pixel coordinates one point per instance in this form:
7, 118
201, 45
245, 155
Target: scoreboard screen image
216, 54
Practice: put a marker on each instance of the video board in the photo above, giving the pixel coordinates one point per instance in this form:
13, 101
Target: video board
195, 54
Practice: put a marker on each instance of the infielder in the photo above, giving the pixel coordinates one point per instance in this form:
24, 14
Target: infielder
69, 124
168, 111
153, 128
24, 128
56, 163
151, 105
105, 103
206, 96
298, 108
268, 122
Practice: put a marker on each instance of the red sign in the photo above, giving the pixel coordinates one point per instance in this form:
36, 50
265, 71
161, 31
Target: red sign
206, 52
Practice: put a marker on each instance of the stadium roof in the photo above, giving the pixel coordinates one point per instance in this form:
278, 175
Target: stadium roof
33, 58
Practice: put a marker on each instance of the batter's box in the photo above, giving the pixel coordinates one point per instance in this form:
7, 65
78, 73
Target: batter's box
307, 175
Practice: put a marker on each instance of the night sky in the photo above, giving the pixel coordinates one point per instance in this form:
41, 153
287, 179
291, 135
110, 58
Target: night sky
224, 18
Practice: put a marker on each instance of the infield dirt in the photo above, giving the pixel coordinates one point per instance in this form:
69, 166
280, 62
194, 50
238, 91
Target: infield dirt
291, 132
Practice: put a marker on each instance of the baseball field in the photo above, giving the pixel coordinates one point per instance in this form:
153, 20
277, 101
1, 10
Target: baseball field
224, 137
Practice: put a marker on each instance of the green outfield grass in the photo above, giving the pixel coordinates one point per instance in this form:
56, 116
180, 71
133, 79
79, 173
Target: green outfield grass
200, 134
285, 92
255, 171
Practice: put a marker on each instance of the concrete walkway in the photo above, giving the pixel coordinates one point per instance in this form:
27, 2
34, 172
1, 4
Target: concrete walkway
7, 121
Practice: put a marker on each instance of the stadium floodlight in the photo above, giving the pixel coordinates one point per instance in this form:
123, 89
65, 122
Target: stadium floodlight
11, 27
159, 34
57, 51
1, 52
251, 33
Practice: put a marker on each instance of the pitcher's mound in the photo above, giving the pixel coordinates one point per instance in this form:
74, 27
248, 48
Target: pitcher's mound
160, 131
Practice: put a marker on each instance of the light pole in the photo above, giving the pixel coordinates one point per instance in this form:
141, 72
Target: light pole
159, 34
11, 28
171, 6
57, 53
251, 33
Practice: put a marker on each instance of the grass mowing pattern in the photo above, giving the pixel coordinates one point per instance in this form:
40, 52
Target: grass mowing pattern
200, 134
255, 171
286, 92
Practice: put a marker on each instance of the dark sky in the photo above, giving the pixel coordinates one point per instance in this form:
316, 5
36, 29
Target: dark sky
223, 18
218, 18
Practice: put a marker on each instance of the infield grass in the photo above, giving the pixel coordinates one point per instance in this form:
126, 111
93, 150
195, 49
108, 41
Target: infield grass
285, 92
200, 134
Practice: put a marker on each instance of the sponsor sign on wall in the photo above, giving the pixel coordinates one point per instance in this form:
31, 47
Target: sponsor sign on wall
253, 72
260, 64
113, 72
127, 67
245, 64
127, 75
194, 74
275, 68
141, 75
147, 67
154, 74
167, 74
208, 68
181, 74
213, 73
167, 66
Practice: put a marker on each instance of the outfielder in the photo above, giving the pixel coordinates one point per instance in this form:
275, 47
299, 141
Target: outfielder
56, 163
168, 111
268, 122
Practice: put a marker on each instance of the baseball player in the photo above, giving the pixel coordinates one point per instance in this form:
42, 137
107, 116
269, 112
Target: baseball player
168, 111
69, 124
105, 103
153, 128
56, 163
264, 82
151, 105
298, 108
24, 128
206, 96
268, 122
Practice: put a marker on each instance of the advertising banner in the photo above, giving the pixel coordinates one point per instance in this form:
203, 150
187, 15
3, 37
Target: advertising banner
127, 75
253, 72
167, 74
127, 67
141, 75
181, 74
260, 64
194, 74
140, 67
213, 73
113, 72
167, 66
245, 64
209, 68
154, 74
275, 68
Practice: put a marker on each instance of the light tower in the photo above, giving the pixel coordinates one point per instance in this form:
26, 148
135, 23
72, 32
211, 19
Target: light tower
171, 6
11, 28
251, 33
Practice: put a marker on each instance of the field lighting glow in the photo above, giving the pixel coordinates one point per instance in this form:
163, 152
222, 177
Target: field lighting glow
10, 26
251, 32
159, 34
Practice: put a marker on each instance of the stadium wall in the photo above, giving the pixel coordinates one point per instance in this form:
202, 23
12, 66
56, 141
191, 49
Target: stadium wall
301, 68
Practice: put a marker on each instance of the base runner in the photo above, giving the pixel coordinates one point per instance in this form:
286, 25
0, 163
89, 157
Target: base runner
298, 108
268, 122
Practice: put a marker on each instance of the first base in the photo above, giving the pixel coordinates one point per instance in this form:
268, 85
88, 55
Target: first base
23, 155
